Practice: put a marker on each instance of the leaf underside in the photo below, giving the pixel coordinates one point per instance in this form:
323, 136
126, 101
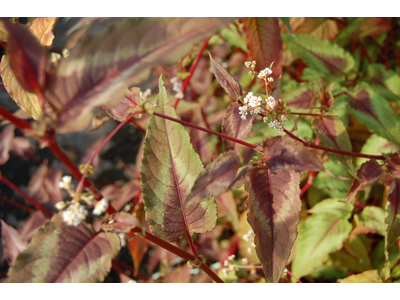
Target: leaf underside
62, 253
274, 207
169, 169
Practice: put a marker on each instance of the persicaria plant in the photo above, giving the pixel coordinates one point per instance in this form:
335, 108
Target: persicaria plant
285, 168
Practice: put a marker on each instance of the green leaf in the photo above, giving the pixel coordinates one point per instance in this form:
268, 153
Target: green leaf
322, 234
234, 37
375, 145
385, 82
373, 110
373, 217
62, 253
354, 255
274, 207
331, 184
370, 276
321, 55
334, 206
333, 134
286, 22
265, 43
169, 169
102, 65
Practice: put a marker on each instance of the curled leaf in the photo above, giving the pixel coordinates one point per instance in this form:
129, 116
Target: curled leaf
227, 81
120, 222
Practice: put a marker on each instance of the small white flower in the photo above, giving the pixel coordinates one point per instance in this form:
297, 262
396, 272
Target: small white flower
243, 111
270, 79
249, 250
100, 207
265, 119
224, 271
283, 118
245, 261
60, 205
231, 258
247, 64
74, 214
65, 181
271, 102
264, 73
226, 263
179, 95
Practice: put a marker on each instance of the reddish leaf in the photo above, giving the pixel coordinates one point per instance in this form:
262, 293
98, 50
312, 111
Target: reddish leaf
333, 134
281, 152
98, 120
234, 126
200, 139
223, 173
227, 81
138, 247
369, 172
370, 108
13, 243
120, 222
22, 147
322, 28
227, 208
6, 137
125, 107
179, 275
265, 43
35, 187
43, 28
28, 58
51, 185
32, 224
70, 254
124, 194
300, 96
274, 207
392, 211
101, 66
393, 165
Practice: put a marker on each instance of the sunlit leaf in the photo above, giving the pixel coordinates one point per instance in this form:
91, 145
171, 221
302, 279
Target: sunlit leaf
126, 106
333, 134
320, 55
274, 207
70, 254
29, 102
43, 28
3, 33
265, 43
323, 233
234, 126
373, 110
28, 59
223, 173
281, 152
227, 81
370, 276
101, 66
373, 217
169, 169
368, 173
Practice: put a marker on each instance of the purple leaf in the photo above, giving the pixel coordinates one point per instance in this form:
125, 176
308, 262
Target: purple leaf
223, 173
35, 187
70, 254
234, 126
22, 147
274, 207
101, 66
227, 81
13, 243
281, 152
265, 43
51, 185
333, 134
369, 172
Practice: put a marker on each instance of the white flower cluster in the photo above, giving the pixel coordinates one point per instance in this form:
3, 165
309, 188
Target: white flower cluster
249, 236
74, 214
276, 124
65, 182
271, 102
177, 87
100, 207
229, 265
264, 73
253, 103
145, 94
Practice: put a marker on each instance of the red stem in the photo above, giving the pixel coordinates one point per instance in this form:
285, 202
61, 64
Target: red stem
309, 182
21, 124
175, 250
129, 268
83, 175
207, 130
191, 70
293, 276
26, 196
16, 204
